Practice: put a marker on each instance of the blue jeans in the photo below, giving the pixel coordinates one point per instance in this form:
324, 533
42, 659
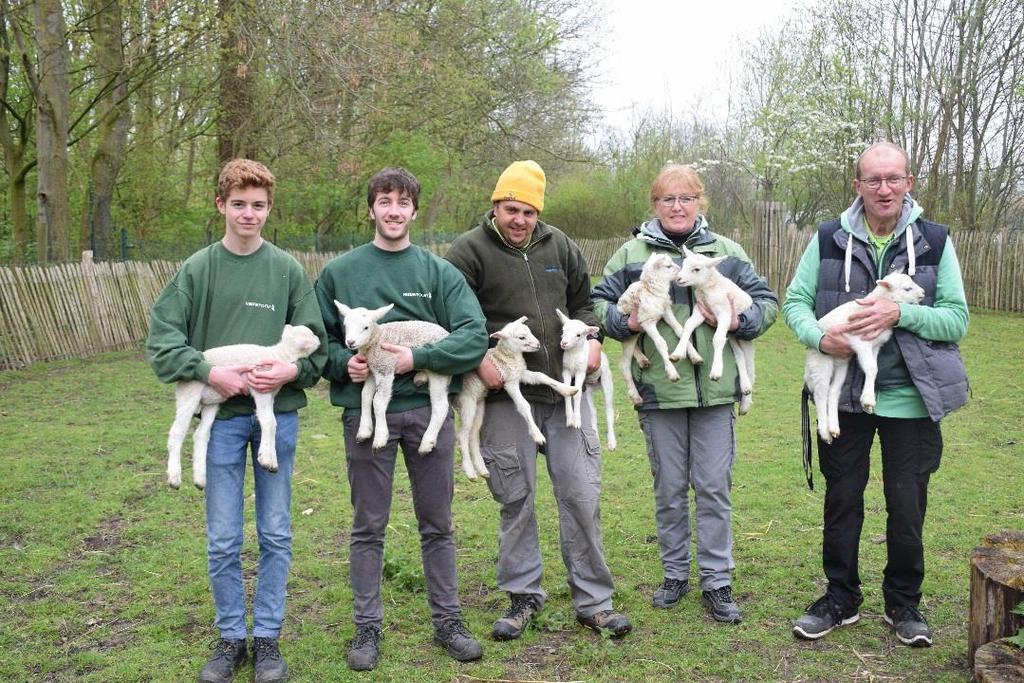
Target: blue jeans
230, 439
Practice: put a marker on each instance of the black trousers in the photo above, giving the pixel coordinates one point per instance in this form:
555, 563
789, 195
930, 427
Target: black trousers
911, 451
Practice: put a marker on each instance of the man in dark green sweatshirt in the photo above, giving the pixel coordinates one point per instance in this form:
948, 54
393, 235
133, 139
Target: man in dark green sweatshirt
392, 270
242, 290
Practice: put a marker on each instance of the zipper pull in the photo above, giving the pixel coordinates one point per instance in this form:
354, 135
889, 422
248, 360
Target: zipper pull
525, 257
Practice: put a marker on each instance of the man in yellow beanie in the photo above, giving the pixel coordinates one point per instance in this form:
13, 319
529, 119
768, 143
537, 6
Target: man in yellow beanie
519, 265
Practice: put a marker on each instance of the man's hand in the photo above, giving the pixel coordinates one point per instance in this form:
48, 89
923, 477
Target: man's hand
229, 380
835, 344
593, 355
489, 375
358, 368
710, 318
403, 363
876, 316
270, 375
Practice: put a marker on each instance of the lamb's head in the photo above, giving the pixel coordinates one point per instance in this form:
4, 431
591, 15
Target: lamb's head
360, 323
574, 332
899, 287
300, 339
659, 267
697, 269
517, 337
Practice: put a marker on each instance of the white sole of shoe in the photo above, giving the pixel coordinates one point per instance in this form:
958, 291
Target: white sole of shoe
800, 633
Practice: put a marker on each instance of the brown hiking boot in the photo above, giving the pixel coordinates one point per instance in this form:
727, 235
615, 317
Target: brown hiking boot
512, 625
614, 623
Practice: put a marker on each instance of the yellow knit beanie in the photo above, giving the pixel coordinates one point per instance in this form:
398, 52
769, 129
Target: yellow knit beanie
522, 181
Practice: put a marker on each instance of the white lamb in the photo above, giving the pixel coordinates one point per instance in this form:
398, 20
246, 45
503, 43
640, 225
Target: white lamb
575, 352
363, 334
514, 339
190, 397
824, 374
650, 298
714, 290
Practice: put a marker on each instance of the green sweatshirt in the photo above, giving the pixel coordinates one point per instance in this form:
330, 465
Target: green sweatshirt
219, 298
422, 287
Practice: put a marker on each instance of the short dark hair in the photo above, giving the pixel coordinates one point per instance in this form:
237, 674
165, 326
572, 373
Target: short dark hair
391, 179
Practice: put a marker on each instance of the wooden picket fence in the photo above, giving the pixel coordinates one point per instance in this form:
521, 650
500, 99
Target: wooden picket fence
77, 310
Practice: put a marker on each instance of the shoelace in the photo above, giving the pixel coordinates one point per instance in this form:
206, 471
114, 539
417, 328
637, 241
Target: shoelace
453, 627
908, 613
724, 593
519, 604
365, 636
226, 648
673, 584
266, 648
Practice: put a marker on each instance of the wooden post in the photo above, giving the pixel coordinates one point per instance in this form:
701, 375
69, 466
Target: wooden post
997, 586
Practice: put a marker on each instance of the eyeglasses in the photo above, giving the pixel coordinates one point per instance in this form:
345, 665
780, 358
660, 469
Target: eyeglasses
893, 181
684, 199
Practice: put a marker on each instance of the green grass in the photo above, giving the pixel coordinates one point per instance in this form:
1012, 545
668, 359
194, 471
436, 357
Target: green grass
104, 566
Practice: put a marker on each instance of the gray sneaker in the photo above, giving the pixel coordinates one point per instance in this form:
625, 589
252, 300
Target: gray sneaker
512, 625
821, 617
365, 649
720, 605
228, 657
670, 592
614, 623
910, 626
454, 637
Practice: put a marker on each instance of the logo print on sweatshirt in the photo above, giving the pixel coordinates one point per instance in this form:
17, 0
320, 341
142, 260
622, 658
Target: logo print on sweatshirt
257, 304
422, 295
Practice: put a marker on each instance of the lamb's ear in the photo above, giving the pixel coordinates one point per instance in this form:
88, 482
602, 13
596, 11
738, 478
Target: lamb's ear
687, 252
342, 308
500, 334
592, 329
521, 320
562, 316
718, 259
287, 327
381, 312
884, 283
898, 270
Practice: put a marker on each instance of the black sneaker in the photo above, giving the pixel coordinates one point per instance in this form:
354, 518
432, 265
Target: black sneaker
512, 625
365, 649
910, 626
453, 636
821, 617
720, 605
616, 624
228, 657
670, 592
267, 661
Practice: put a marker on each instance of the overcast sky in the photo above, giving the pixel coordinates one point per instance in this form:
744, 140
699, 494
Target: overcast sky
669, 55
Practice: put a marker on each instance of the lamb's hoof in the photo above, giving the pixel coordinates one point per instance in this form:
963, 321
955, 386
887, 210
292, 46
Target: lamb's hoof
745, 403
869, 408
426, 447
174, 482
636, 400
674, 357
363, 438
713, 377
696, 359
485, 473
673, 378
200, 485
539, 440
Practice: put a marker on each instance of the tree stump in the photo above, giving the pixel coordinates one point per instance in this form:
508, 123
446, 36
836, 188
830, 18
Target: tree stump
997, 586
998, 662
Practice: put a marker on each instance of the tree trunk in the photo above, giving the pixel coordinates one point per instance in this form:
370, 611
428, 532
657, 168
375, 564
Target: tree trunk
999, 662
112, 110
997, 586
15, 136
53, 220
236, 125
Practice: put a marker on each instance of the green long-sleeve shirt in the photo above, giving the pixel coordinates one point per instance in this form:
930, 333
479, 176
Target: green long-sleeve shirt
422, 287
219, 298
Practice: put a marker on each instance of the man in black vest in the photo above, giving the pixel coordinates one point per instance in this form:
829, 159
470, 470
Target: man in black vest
921, 379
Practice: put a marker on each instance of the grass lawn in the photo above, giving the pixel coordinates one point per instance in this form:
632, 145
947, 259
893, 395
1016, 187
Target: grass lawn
104, 567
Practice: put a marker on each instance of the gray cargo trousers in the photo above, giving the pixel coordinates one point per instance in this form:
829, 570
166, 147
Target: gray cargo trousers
574, 465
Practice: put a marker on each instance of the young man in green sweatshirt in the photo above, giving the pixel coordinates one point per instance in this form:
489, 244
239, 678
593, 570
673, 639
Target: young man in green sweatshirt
242, 290
391, 270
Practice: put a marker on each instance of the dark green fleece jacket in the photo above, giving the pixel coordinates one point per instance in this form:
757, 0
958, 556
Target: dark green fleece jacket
549, 273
